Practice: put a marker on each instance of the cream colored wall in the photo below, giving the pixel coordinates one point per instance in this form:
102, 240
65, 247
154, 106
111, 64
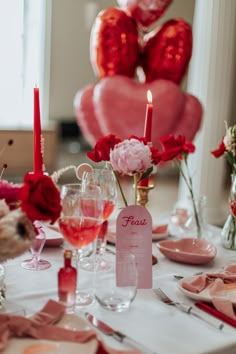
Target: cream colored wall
70, 64
70, 71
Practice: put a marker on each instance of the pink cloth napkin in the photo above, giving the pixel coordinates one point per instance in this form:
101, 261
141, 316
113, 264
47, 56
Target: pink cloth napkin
217, 286
42, 326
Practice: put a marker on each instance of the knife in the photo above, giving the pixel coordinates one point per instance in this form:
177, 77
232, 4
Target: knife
119, 336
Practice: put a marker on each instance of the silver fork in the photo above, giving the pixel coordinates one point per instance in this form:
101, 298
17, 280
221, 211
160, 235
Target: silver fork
189, 309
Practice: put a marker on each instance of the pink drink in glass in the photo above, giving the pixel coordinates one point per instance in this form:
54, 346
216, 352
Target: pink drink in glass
79, 231
108, 208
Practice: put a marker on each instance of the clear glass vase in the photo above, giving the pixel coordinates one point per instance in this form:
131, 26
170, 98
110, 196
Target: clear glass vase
229, 228
189, 219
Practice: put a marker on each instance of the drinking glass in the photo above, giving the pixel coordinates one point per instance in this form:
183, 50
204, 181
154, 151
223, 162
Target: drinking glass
105, 179
2, 285
116, 287
35, 263
80, 223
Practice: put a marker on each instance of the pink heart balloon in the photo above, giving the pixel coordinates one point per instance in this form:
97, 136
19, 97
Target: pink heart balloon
191, 118
145, 12
86, 118
120, 106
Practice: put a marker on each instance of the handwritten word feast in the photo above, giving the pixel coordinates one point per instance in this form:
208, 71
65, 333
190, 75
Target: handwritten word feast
130, 220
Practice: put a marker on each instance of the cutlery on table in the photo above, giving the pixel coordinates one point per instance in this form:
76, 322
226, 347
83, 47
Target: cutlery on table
119, 336
188, 309
214, 312
179, 277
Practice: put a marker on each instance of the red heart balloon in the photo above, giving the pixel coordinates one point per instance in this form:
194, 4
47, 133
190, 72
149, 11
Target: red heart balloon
145, 12
114, 47
86, 118
167, 51
120, 106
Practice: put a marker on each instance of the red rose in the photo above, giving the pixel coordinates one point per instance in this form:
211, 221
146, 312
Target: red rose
101, 151
40, 198
188, 147
233, 207
175, 147
156, 155
220, 150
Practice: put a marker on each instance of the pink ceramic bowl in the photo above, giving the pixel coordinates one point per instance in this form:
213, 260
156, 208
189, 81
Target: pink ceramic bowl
188, 250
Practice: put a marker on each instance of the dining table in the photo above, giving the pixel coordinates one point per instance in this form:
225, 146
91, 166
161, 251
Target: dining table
161, 328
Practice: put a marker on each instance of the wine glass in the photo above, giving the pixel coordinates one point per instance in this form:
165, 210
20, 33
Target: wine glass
80, 223
105, 179
35, 263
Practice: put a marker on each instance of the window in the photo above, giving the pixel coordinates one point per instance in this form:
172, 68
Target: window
24, 29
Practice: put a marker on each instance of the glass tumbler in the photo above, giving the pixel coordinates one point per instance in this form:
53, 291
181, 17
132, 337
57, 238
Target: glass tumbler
116, 287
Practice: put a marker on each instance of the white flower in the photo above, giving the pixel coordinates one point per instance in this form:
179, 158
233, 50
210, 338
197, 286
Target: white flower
228, 140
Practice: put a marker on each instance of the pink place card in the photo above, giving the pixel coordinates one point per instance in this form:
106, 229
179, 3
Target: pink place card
134, 234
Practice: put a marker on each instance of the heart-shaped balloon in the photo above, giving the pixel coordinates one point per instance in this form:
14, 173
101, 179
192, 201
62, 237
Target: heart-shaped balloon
85, 115
190, 120
120, 106
167, 51
114, 44
145, 12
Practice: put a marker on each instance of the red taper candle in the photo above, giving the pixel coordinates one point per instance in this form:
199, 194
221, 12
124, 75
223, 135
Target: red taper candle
148, 129
148, 118
38, 152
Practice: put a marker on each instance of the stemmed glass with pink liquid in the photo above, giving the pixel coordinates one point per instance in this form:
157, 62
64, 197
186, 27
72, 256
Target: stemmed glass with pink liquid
80, 223
35, 263
105, 179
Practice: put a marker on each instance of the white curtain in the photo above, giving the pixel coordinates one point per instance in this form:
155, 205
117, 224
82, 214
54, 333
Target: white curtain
23, 59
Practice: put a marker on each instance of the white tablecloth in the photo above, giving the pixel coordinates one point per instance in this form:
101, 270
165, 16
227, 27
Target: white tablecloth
162, 328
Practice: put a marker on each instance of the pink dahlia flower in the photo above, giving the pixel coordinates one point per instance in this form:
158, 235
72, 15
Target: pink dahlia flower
131, 156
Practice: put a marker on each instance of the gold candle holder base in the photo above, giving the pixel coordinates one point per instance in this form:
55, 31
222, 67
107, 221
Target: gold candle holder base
142, 197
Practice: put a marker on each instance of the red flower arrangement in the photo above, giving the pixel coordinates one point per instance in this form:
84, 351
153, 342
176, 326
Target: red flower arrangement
178, 149
133, 156
227, 148
126, 157
40, 198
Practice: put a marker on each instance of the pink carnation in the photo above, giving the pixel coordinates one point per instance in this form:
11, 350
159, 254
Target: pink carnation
131, 156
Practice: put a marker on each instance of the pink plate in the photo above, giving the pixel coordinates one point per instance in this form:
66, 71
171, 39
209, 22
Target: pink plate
53, 236
188, 250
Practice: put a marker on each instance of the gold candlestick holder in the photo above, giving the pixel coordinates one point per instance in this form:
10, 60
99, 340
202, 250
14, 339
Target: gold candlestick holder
142, 197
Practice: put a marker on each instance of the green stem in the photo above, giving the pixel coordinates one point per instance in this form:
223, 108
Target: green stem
232, 233
189, 183
120, 188
193, 200
135, 188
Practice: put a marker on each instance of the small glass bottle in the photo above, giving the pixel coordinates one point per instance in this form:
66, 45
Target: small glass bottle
67, 277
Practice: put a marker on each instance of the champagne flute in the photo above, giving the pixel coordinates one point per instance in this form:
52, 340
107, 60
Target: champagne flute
80, 223
35, 263
105, 179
